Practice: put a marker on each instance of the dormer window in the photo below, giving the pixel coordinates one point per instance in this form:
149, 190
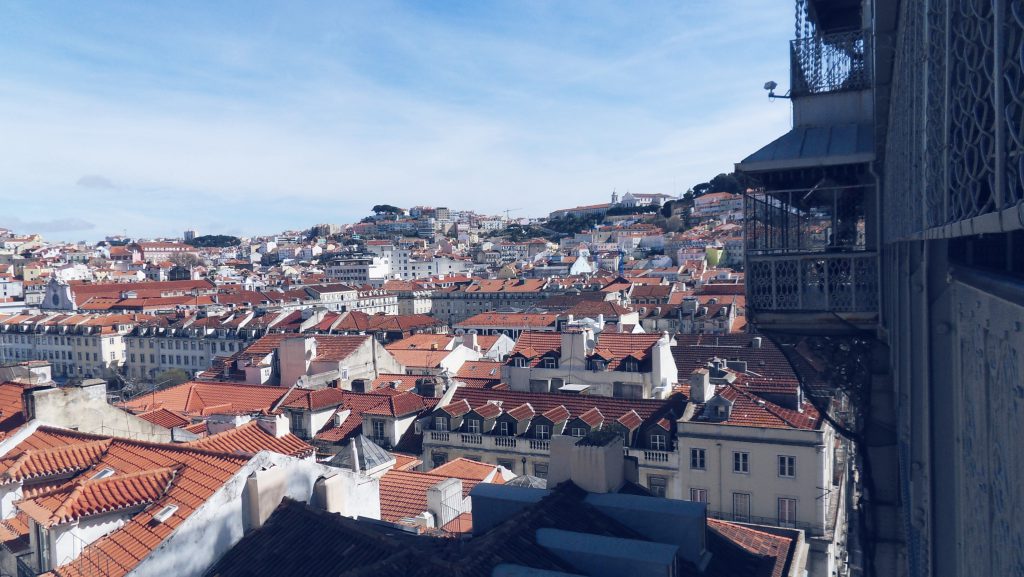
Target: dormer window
549, 363
440, 424
658, 442
542, 431
597, 364
630, 366
519, 362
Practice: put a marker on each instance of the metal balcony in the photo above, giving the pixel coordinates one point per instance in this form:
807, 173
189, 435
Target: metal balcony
824, 282
825, 63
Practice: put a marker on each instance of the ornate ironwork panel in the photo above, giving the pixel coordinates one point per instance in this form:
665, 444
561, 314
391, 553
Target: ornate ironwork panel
1012, 69
955, 132
823, 63
972, 113
844, 282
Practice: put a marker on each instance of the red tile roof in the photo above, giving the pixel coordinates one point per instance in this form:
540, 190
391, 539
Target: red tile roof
165, 418
403, 494
756, 542
250, 438
86, 497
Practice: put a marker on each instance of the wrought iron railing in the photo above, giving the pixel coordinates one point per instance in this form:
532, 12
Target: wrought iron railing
824, 63
842, 282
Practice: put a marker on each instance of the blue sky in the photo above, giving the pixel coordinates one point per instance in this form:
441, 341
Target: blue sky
255, 117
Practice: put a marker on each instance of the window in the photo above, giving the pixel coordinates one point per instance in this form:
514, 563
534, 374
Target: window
578, 432
698, 495
549, 363
378, 428
296, 423
519, 362
656, 485
473, 426
440, 424
596, 364
540, 470
787, 512
697, 457
542, 431
506, 463
503, 428
787, 466
740, 462
741, 506
658, 442
627, 390
629, 366
438, 458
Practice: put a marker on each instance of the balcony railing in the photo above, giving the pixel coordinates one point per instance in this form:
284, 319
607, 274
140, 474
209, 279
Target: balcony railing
480, 442
652, 458
844, 282
824, 63
816, 219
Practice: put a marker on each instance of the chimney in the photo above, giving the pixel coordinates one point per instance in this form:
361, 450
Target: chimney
445, 502
262, 494
276, 425
473, 344
595, 463
755, 342
701, 389
220, 423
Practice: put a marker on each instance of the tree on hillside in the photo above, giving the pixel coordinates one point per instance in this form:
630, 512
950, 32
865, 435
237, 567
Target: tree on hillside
386, 209
184, 259
171, 378
215, 241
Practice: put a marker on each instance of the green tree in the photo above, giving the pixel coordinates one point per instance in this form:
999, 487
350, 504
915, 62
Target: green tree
171, 377
215, 241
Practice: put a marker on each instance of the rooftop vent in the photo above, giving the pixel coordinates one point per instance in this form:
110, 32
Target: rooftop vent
103, 473
164, 514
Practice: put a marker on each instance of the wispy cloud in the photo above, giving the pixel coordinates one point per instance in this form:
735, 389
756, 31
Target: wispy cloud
286, 118
46, 226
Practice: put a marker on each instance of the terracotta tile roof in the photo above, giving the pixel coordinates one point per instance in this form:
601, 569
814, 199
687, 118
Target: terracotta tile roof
419, 359
557, 414
406, 462
421, 342
165, 418
511, 320
250, 438
385, 381
199, 474
403, 494
593, 417
54, 460
523, 411
11, 407
631, 420
86, 497
457, 408
200, 398
488, 410
399, 405
777, 547
462, 468
338, 347
610, 407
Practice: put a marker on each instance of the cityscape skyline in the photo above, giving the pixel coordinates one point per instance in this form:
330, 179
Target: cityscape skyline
150, 120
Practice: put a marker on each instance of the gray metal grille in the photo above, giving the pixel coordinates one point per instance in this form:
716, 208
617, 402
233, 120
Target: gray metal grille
955, 134
829, 63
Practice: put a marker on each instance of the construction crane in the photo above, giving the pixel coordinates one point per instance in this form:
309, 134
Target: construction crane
508, 210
